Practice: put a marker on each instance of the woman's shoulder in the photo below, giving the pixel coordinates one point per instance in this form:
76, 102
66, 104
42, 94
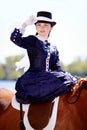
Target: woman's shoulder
32, 37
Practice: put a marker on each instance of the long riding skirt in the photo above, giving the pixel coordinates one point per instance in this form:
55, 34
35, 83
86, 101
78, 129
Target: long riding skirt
33, 87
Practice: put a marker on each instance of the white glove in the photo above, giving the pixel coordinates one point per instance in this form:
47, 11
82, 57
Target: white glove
23, 64
31, 20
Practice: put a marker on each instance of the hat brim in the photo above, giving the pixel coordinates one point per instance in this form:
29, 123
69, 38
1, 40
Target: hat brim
45, 20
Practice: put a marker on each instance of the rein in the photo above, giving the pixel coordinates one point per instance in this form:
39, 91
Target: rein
75, 100
77, 96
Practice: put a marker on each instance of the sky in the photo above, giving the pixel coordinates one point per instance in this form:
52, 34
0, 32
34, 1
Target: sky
69, 35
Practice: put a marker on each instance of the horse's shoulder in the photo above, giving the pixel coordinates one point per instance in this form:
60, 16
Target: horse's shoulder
5, 98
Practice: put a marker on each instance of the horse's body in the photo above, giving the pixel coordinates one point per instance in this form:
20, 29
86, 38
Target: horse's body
72, 116
9, 117
69, 116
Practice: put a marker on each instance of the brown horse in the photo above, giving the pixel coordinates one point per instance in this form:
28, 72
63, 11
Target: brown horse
71, 113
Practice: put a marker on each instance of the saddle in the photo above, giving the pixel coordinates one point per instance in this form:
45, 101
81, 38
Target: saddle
39, 114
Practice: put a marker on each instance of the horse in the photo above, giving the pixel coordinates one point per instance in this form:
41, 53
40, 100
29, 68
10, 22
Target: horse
71, 111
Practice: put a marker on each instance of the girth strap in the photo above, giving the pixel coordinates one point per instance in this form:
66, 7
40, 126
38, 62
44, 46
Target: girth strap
22, 127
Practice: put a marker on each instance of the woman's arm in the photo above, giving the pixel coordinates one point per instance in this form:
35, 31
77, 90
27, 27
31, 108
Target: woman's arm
16, 35
24, 42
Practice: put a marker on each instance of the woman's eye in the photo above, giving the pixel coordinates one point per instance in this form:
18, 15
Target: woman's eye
46, 24
38, 25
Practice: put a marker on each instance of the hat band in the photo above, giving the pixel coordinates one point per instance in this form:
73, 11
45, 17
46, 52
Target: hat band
43, 19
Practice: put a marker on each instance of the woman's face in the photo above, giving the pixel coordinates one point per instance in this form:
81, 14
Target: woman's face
43, 29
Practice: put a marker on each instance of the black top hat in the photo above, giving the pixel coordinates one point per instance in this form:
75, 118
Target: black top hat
44, 16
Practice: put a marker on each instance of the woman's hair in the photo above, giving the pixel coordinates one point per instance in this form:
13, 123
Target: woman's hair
36, 34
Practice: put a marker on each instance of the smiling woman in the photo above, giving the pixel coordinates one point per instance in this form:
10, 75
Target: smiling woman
71, 28
45, 67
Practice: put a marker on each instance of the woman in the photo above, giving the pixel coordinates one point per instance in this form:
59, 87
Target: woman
45, 79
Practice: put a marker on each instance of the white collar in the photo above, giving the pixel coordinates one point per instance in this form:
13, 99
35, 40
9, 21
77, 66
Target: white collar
41, 38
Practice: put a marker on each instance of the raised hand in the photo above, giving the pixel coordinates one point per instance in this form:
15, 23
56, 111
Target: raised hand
31, 20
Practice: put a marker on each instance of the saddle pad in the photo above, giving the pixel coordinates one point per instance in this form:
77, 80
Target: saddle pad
26, 109
52, 120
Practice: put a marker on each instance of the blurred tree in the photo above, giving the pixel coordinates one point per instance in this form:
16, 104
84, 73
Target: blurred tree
8, 69
78, 67
2, 73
